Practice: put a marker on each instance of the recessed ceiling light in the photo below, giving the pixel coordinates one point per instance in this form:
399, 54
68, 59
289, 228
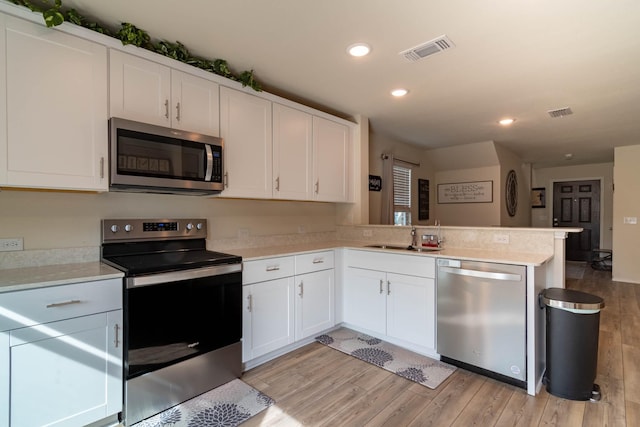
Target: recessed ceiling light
359, 49
568, 156
506, 122
399, 92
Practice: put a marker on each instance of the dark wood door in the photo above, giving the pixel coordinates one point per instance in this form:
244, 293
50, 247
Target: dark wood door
577, 204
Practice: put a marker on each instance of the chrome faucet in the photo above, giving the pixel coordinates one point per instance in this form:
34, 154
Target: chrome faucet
414, 237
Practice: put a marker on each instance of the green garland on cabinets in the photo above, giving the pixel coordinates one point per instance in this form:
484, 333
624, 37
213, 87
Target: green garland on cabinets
54, 15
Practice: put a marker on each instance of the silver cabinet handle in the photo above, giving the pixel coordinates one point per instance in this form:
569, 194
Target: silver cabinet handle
226, 180
116, 331
166, 108
62, 304
381, 286
178, 111
301, 285
317, 186
388, 287
101, 167
318, 261
278, 184
273, 267
250, 305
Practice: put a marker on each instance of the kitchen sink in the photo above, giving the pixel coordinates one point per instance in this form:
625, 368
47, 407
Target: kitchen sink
406, 248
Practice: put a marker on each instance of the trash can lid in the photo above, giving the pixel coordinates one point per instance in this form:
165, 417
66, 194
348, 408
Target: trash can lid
571, 300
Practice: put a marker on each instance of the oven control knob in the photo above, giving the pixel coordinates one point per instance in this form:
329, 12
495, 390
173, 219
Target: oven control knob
189, 226
115, 228
128, 228
199, 226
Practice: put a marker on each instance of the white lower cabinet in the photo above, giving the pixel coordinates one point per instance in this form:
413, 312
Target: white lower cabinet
380, 300
267, 318
66, 372
286, 299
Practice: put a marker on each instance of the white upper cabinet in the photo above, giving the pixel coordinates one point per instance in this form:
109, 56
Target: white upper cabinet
331, 157
149, 92
53, 109
246, 128
292, 153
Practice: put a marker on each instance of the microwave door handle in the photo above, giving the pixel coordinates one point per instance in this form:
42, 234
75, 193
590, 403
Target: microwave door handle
209, 171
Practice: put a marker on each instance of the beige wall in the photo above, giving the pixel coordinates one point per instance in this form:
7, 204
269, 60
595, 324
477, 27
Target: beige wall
626, 203
380, 144
49, 220
545, 177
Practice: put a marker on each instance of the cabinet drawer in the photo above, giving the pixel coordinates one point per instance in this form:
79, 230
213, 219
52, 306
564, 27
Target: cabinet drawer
267, 269
414, 265
308, 263
35, 306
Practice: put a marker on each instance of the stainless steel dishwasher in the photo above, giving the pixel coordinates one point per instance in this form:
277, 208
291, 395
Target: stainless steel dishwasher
481, 318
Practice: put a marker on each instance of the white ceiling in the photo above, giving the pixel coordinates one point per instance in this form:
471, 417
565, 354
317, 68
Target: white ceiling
512, 58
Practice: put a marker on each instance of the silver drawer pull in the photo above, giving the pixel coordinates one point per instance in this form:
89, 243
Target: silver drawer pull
273, 268
61, 304
193, 345
116, 330
318, 261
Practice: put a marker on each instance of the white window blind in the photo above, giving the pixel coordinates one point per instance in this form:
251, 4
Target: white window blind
401, 189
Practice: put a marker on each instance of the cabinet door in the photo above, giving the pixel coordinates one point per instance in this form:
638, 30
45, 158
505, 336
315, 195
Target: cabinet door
411, 309
292, 145
330, 160
139, 89
365, 299
69, 371
56, 109
268, 317
245, 126
195, 104
314, 303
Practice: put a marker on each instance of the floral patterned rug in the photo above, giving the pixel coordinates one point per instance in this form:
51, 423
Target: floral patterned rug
226, 406
412, 366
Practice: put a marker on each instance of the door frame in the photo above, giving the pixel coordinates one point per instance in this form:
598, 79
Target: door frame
550, 199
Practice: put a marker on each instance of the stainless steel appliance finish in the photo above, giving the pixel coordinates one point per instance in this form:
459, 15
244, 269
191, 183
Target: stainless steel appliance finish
182, 311
155, 159
481, 318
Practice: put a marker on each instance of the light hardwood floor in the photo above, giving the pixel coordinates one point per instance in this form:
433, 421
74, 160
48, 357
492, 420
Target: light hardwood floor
319, 386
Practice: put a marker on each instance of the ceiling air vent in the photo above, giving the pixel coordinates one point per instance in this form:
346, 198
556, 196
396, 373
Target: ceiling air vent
560, 112
428, 48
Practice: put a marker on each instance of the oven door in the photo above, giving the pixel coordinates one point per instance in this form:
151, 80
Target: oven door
171, 322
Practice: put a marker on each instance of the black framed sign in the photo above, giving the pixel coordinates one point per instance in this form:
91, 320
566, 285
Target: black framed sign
375, 183
423, 199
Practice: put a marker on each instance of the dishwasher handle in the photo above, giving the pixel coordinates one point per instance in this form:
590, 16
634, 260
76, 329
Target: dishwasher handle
481, 274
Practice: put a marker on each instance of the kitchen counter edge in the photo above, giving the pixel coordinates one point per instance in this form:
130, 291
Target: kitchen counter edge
23, 278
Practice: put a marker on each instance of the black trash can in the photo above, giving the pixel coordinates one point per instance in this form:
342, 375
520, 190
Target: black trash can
573, 324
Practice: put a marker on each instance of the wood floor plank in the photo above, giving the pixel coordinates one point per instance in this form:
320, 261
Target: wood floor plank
401, 411
562, 412
523, 410
632, 412
449, 403
631, 363
486, 406
610, 355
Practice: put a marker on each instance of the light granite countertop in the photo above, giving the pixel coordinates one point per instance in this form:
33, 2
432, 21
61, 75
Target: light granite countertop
520, 258
17, 279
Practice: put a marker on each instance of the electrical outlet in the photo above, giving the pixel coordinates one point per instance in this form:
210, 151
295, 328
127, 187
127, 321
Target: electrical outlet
243, 233
367, 233
630, 220
15, 244
500, 238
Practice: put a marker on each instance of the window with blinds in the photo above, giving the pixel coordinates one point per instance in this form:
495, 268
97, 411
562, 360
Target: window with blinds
401, 195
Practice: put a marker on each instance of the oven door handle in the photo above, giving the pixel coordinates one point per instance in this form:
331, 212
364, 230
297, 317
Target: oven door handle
176, 276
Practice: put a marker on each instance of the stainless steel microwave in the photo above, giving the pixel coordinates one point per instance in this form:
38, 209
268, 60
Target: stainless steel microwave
155, 159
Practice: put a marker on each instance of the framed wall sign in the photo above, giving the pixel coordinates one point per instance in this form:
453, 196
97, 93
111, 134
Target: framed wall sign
466, 192
375, 183
423, 199
538, 197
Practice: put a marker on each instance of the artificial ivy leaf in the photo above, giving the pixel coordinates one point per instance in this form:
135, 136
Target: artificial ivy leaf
52, 17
